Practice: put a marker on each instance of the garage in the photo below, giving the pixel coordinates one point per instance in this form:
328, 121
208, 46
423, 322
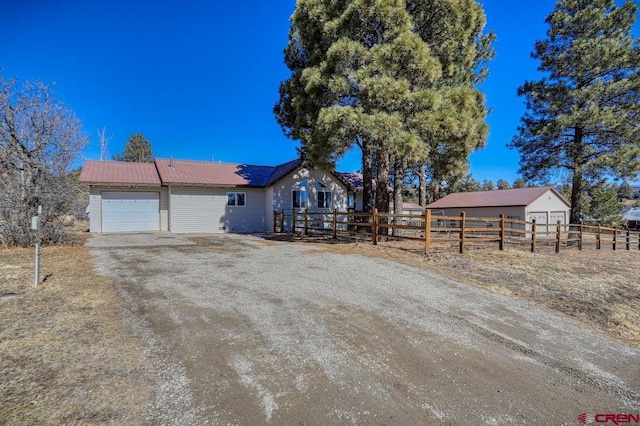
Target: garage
540, 218
554, 217
130, 211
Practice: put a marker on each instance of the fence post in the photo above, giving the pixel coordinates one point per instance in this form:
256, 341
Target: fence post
427, 231
374, 226
282, 230
335, 223
502, 232
463, 224
533, 235
306, 221
558, 235
581, 235
628, 239
598, 244
293, 221
615, 237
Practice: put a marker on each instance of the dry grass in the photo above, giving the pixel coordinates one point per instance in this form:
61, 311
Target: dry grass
599, 289
66, 355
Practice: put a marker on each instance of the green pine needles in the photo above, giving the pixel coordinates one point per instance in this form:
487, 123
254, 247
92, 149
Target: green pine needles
583, 117
394, 78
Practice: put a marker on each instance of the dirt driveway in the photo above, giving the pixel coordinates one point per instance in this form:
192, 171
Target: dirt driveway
241, 330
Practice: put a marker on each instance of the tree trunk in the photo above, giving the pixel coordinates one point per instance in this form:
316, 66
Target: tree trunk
422, 188
435, 190
576, 189
382, 183
398, 181
368, 199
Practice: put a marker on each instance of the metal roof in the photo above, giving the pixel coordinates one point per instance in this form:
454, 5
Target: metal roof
497, 198
120, 173
187, 172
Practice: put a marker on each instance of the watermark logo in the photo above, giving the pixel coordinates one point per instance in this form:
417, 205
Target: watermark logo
616, 419
585, 418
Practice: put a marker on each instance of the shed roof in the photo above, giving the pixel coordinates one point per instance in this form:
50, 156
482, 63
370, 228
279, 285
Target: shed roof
632, 214
120, 173
497, 198
407, 205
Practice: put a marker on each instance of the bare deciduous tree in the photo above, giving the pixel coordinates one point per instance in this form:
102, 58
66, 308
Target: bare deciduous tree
104, 143
39, 140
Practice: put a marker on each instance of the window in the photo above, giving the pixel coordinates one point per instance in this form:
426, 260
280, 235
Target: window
236, 199
324, 196
351, 201
300, 195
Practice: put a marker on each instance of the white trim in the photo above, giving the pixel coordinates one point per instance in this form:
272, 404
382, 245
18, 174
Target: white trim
244, 197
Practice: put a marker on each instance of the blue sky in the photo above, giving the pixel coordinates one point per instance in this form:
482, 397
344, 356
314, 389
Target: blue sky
199, 78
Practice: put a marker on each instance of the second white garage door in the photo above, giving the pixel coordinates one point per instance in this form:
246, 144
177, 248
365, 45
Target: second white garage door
130, 211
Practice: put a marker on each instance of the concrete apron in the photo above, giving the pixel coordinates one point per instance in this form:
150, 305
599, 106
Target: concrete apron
137, 239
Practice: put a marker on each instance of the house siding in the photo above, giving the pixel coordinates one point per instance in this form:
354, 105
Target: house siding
268, 208
283, 192
95, 204
516, 212
205, 210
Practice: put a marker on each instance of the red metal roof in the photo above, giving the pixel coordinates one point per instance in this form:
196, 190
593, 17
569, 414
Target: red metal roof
186, 172
209, 173
498, 198
120, 173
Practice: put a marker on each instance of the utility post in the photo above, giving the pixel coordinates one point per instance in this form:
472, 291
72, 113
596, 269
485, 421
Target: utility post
35, 225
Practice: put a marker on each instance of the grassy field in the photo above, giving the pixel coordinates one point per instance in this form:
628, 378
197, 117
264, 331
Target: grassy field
66, 357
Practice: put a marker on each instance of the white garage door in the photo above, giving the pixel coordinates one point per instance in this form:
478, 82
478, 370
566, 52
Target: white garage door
130, 211
541, 220
558, 216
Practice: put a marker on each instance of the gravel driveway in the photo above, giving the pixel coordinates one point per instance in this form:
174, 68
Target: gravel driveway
241, 330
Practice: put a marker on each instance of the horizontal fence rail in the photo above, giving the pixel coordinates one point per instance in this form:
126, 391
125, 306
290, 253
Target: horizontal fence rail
461, 229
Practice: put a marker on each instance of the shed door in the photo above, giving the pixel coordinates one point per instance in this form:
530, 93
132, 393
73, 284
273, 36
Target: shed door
130, 211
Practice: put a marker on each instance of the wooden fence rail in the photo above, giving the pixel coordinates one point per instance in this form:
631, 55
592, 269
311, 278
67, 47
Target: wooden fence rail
460, 229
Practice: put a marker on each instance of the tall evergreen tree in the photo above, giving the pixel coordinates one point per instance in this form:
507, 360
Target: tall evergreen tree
583, 117
137, 150
453, 30
362, 75
625, 190
488, 185
602, 206
503, 184
519, 183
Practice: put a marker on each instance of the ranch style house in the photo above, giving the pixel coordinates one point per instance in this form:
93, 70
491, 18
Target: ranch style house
208, 197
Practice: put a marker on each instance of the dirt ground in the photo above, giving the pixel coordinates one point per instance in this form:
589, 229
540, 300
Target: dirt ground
600, 289
145, 341
66, 356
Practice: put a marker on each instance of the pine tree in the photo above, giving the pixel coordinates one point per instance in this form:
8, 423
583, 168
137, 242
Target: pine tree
363, 76
137, 150
488, 185
602, 206
625, 190
583, 117
503, 184
519, 183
